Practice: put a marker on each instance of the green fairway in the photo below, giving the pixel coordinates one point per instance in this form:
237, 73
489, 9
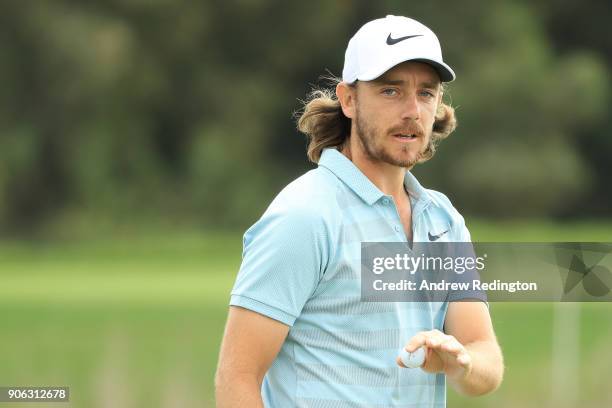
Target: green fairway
136, 321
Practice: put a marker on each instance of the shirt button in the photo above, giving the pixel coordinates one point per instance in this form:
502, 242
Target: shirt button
385, 201
397, 228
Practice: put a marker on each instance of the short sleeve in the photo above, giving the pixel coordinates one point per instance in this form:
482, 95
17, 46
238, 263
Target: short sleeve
470, 274
284, 257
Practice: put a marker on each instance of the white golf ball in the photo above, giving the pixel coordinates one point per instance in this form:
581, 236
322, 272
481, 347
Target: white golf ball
412, 360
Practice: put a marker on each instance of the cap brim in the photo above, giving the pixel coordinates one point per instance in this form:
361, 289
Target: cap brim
445, 72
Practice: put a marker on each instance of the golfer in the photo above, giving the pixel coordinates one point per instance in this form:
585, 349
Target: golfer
298, 334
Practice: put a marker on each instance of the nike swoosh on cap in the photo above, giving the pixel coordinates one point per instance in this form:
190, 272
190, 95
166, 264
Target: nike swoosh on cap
391, 41
436, 237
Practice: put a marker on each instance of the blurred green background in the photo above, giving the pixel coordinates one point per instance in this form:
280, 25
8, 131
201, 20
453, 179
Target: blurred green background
139, 139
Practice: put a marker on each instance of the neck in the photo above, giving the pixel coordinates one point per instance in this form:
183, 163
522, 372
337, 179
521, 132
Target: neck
388, 178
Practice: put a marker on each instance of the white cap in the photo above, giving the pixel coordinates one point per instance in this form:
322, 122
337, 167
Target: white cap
381, 44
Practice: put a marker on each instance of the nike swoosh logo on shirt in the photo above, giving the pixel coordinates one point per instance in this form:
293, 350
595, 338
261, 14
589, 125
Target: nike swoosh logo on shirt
391, 41
436, 237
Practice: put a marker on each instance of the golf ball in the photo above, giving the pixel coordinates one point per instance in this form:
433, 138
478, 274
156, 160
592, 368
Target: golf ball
414, 359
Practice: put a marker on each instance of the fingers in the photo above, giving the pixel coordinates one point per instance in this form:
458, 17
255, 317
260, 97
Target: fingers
450, 345
416, 341
437, 340
411, 360
431, 338
446, 346
453, 348
464, 360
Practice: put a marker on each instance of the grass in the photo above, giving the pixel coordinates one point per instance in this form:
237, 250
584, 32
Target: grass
136, 320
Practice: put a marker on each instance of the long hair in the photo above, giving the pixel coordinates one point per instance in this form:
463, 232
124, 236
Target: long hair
324, 123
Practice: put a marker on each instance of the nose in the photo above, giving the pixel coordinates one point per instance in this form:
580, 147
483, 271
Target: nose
411, 109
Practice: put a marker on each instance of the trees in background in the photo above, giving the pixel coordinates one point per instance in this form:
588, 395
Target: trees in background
129, 109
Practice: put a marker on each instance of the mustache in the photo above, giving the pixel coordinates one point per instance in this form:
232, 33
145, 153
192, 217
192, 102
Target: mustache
412, 129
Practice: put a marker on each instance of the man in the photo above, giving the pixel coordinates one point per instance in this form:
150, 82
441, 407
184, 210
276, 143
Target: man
298, 333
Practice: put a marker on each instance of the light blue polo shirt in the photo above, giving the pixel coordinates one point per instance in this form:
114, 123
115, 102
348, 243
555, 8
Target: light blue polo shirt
301, 266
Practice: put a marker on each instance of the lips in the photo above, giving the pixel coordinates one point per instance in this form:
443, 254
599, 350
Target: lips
409, 136
406, 137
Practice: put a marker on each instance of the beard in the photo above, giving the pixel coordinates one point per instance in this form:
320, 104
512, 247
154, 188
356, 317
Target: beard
374, 146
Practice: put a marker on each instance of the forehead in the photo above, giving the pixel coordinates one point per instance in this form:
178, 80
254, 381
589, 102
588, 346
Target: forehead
410, 71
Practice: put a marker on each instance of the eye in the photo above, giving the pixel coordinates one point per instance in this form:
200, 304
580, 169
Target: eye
427, 94
389, 91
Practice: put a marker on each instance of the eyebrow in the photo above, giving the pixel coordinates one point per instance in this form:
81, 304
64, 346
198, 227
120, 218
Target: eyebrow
388, 81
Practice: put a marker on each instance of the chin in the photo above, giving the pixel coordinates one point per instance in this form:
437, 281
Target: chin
403, 160
406, 157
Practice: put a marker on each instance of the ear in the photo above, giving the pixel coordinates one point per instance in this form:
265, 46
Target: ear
347, 97
439, 104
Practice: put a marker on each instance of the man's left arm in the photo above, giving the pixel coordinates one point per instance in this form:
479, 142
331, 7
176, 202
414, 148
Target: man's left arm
468, 352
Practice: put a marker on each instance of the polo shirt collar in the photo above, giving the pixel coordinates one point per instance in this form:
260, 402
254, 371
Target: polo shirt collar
350, 175
416, 190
